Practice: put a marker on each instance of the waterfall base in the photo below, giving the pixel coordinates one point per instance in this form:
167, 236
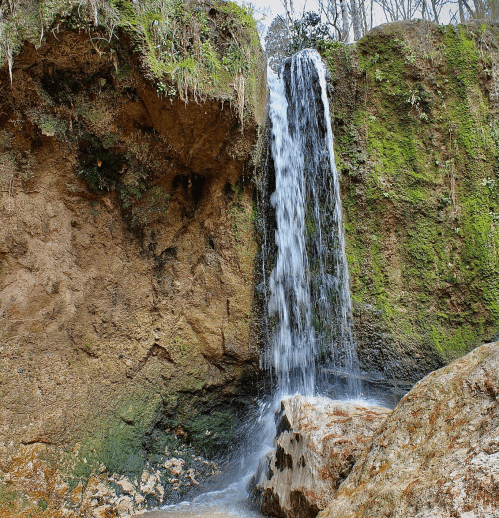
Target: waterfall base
230, 502
318, 440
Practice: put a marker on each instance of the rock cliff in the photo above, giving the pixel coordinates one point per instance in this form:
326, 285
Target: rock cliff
126, 252
415, 123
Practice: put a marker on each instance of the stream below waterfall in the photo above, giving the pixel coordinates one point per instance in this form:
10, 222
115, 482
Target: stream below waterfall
230, 502
311, 345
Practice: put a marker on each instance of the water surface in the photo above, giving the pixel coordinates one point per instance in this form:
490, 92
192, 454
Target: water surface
230, 502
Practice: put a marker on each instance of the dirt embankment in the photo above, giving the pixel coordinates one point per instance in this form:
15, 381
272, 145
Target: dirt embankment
126, 270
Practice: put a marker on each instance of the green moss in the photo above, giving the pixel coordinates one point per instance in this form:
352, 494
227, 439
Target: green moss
452, 343
50, 125
418, 156
42, 504
186, 49
145, 420
8, 496
118, 440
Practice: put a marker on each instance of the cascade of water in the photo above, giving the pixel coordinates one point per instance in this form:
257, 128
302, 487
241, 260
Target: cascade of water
309, 285
293, 350
309, 304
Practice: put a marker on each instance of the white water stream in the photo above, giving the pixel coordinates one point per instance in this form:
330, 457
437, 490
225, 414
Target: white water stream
230, 502
309, 284
309, 299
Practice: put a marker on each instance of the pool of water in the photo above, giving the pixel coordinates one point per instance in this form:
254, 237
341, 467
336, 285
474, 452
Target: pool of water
230, 502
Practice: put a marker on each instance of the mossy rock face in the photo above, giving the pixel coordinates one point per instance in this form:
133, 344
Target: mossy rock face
187, 49
416, 143
147, 426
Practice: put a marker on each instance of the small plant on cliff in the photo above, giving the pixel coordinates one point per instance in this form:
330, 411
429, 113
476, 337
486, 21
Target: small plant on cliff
43, 504
9, 497
30, 20
49, 124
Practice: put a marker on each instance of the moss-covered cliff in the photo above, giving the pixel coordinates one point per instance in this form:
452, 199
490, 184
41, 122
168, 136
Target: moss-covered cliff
415, 114
126, 248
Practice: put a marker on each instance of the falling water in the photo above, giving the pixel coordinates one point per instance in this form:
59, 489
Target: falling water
310, 311
309, 298
293, 347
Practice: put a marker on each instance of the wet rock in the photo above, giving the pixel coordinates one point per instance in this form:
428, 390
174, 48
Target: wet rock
125, 505
437, 455
191, 475
318, 441
139, 500
104, 511
127, 486
148, 483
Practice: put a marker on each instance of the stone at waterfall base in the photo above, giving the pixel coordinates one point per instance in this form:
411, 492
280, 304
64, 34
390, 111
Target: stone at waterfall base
437, 455
318, 441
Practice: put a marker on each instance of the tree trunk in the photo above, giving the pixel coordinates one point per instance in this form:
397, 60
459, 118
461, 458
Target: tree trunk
346, 20
356, 20
461, 11
435, 13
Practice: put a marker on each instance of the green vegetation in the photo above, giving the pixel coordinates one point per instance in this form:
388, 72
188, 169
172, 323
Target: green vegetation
188, 49
121, 448
7, 495
418, 152
118, 440
43, 504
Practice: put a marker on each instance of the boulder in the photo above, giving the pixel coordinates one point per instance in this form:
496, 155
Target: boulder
317, 442
437, 455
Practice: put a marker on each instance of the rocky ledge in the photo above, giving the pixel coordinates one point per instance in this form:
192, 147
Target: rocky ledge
318, 440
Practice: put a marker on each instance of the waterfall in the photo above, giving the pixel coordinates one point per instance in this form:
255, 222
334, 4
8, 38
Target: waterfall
309, 304
309, 308
293, 344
